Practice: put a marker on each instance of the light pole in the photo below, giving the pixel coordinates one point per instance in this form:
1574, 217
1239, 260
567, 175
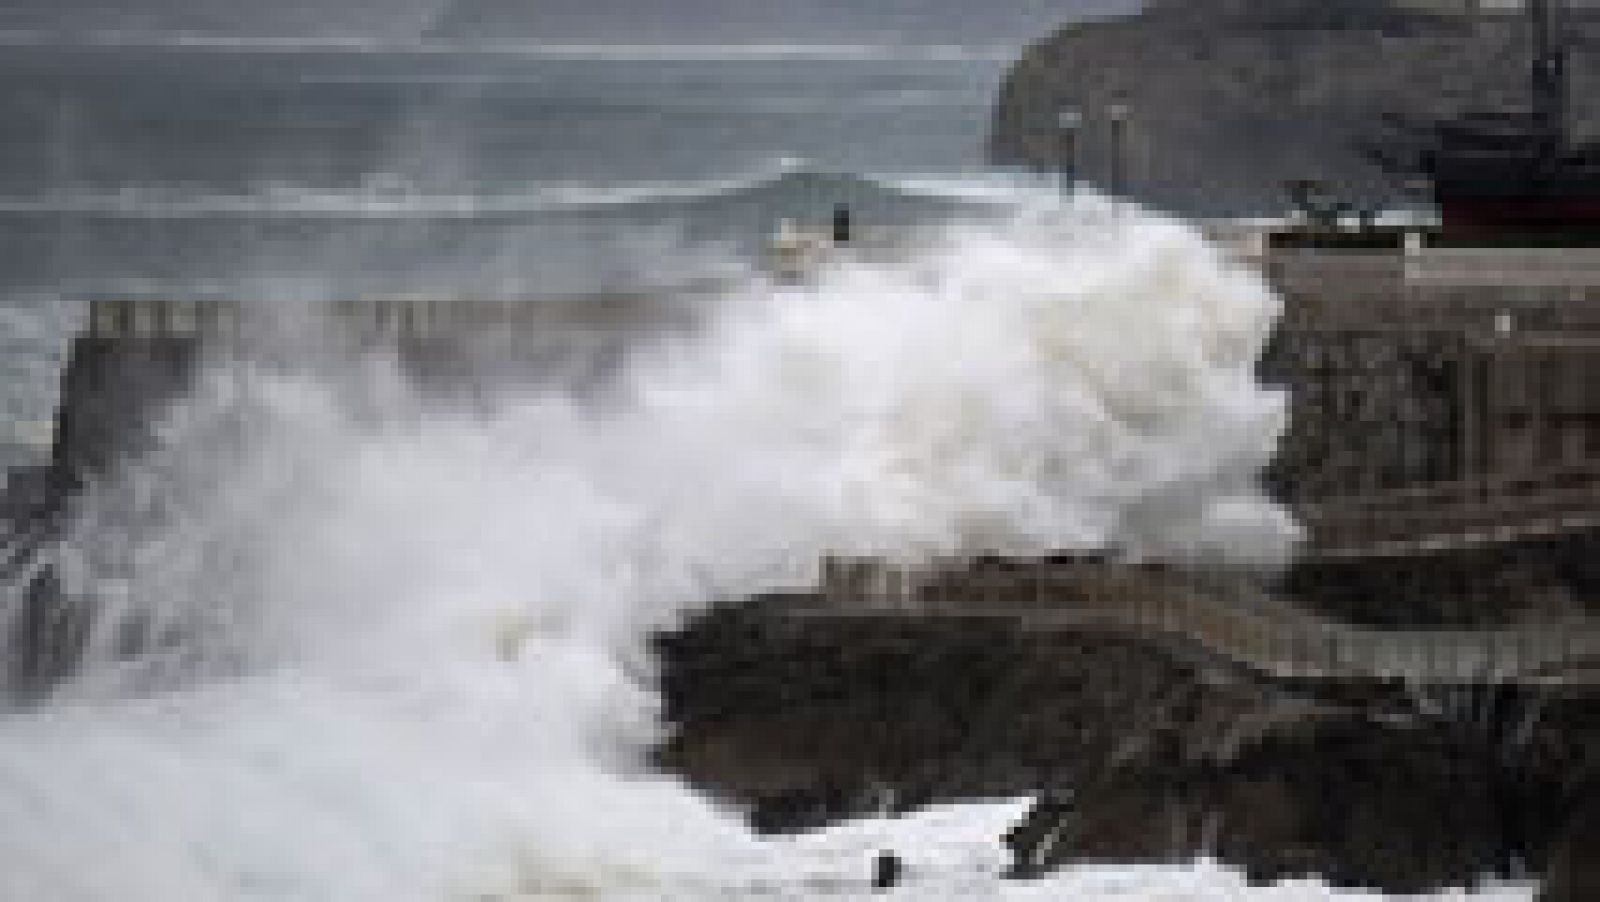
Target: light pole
1118, 113
1068, 120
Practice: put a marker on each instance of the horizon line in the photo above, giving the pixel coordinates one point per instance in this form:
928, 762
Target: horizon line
130, 39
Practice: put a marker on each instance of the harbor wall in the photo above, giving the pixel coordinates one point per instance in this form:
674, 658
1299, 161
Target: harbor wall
137, 359
137, 355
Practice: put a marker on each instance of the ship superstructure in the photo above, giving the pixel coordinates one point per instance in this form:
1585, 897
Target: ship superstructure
1517, 170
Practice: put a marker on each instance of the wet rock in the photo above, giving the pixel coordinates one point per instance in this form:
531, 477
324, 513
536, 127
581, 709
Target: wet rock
1165, 757
1573, 874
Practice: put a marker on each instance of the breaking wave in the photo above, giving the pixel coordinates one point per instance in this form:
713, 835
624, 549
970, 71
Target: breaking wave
395, 652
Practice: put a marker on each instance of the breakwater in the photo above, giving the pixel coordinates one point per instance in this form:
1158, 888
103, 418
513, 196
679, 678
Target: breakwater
135, 359
134, 355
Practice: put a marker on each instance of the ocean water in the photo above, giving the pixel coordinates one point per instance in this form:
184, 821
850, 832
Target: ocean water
396, 652
308, 171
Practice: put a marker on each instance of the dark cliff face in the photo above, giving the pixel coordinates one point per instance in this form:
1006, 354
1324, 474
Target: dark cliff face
1229, 99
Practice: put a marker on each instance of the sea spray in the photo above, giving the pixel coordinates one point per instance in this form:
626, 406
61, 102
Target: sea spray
388, 651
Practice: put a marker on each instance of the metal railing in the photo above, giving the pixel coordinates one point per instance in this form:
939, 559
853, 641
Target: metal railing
1235, 621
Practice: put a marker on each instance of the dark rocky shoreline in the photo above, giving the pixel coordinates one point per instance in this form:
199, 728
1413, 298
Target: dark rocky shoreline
1166, 756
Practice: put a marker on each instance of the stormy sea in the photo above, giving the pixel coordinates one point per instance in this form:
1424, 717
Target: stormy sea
398, 651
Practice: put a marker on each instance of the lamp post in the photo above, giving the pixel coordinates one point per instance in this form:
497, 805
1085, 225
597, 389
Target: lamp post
1118, 114
1068, 120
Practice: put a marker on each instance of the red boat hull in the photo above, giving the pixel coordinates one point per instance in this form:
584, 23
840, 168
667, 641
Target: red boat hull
1520, 215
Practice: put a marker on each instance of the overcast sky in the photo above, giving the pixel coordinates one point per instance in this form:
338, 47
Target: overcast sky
971, 22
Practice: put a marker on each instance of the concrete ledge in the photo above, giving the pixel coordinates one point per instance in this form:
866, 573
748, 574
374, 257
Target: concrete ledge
119, 318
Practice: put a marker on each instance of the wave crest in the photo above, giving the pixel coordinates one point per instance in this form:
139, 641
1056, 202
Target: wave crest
403, 645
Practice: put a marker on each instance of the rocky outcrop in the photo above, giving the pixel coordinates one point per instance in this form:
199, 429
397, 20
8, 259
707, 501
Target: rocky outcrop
1164, 756
808, 720
1228, 99
1344, 801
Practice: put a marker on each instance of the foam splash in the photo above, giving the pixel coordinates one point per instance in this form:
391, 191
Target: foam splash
397, 653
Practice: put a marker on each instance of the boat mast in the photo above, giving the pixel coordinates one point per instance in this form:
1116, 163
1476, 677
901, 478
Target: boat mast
1549, 76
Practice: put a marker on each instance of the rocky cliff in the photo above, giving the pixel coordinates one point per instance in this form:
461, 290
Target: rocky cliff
1228, 99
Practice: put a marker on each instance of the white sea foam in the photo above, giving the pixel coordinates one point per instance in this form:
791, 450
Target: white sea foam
397, 651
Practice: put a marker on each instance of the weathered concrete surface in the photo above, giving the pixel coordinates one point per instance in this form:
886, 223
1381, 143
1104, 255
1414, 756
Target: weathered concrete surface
113, 392
1550, 580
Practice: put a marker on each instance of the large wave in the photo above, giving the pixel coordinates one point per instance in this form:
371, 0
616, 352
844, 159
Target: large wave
396, 652
771, 184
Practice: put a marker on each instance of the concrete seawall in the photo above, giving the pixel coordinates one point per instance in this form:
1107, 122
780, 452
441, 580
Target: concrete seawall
134, 356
